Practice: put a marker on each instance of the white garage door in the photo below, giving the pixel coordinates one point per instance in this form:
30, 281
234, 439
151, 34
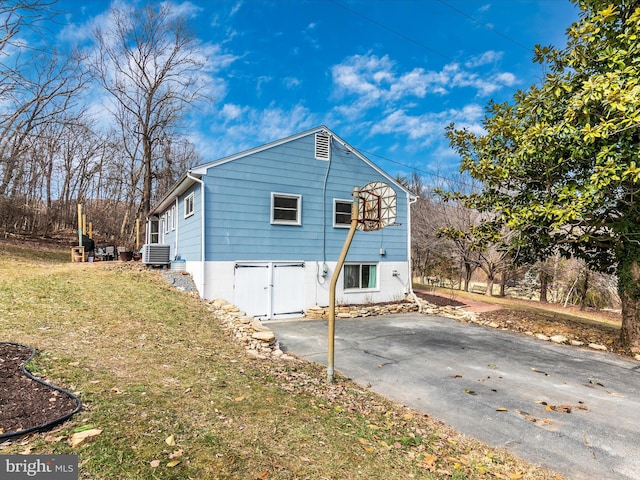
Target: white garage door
270, 290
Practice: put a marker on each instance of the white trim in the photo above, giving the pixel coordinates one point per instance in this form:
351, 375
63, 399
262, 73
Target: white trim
298, 220
188, 178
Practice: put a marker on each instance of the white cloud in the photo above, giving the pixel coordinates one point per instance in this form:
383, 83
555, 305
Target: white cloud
236, 128
374, 80
488, 57
183, 9
236, 7
428, 128
291, 82
232, 112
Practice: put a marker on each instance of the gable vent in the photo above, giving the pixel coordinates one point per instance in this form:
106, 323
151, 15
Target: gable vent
322, 146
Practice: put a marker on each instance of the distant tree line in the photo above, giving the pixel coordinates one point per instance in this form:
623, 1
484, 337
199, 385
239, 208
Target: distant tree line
446, 253
59, 146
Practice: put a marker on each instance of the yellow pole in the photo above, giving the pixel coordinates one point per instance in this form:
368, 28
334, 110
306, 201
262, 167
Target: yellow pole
90, 229
84, 223
79, 224
334, 281
137, 234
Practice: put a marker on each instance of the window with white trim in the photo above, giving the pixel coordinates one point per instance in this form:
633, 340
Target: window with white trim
154, 227
189, 204
166, 220
173, 218
342, 213
362, 276
286, 209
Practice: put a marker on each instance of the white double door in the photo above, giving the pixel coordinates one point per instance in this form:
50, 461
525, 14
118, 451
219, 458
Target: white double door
270, 290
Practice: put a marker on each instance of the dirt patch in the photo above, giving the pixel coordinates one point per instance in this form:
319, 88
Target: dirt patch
549, 325
24, 402
439, 300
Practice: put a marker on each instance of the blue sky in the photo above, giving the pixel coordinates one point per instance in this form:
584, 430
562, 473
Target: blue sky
385, 75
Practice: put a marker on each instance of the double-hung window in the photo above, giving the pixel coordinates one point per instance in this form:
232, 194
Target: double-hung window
360, 276
189, 205
342, 213
286, 209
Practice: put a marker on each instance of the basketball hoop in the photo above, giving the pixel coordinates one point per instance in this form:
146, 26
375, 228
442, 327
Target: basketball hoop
376, 209
377, 206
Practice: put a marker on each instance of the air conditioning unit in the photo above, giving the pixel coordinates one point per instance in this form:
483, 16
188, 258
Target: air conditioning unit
155, 254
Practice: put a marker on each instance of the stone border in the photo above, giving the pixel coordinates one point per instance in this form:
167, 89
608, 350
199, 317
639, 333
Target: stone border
260, 341
359, 311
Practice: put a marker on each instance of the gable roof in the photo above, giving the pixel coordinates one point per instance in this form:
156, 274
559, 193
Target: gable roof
187, 179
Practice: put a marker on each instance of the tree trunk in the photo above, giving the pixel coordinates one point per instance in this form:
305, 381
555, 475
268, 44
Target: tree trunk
490, 282
544, 286
584, 290
629, 290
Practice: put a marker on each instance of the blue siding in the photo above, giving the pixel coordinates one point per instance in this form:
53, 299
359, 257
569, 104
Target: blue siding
189, 229
238, 208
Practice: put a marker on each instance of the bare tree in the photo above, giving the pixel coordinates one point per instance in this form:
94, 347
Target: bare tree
150, 64
38, 87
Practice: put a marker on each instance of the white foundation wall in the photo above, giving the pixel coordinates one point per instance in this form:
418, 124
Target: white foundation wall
393, 283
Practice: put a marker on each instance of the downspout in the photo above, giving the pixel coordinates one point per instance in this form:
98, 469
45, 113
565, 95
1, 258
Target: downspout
202, 237
177, 224
409, 271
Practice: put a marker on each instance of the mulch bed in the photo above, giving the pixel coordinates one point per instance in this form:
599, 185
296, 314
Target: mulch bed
27, 404
438, 300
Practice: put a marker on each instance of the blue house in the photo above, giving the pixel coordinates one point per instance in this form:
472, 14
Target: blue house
263, 229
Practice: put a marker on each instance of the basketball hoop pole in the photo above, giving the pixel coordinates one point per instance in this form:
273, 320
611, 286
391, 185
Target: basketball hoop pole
355, 209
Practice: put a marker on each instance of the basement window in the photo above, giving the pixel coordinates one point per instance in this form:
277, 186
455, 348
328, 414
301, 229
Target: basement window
361, 276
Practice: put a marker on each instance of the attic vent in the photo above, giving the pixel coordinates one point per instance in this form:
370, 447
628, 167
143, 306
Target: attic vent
322, 146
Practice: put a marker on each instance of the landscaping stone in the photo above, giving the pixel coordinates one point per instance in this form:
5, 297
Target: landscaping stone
559, 339
597, 346
264, 336
80, 438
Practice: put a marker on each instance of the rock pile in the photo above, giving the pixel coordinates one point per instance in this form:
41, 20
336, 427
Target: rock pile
357, 311
260, 341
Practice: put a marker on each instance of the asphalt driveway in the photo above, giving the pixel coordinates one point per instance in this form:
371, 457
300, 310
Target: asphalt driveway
575, 411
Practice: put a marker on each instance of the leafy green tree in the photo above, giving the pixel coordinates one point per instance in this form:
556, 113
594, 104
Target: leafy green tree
560, 164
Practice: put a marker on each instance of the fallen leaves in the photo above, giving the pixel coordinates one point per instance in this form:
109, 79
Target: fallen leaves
385, 430
174, 457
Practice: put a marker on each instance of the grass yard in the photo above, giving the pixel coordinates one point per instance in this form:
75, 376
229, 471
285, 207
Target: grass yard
176, 398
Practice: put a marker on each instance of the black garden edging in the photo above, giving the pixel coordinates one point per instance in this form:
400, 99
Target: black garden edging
51, 423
